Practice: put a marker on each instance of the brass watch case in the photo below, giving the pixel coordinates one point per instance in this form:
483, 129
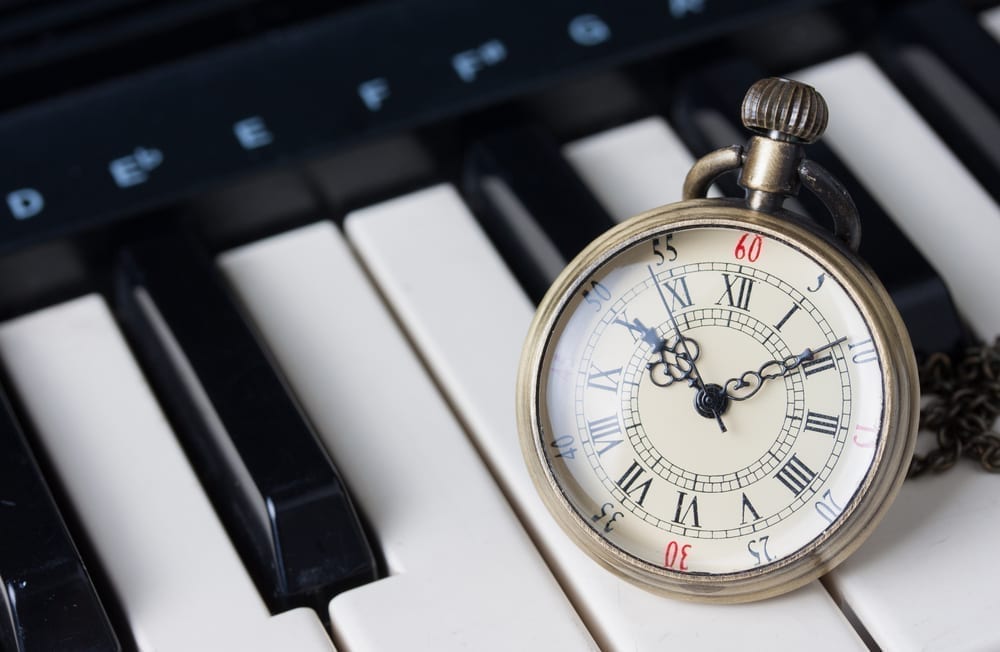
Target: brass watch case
896, 438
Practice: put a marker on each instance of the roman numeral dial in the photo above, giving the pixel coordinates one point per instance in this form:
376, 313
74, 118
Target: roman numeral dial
644, 346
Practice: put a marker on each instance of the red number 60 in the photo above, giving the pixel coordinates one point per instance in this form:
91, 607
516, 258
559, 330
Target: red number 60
752, 251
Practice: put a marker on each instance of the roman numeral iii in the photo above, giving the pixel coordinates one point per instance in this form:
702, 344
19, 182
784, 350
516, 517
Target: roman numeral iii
824, 424
795, 475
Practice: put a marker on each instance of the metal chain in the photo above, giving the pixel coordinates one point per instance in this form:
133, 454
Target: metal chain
961, 404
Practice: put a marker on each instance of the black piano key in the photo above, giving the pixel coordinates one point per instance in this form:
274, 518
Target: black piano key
283, 502
946, 64
713, 96
48, 600
532, 203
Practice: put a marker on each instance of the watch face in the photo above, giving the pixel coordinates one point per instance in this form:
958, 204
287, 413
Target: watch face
711, 401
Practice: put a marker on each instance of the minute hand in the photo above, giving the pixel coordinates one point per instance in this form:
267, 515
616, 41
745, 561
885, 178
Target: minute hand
683, 341
749, 383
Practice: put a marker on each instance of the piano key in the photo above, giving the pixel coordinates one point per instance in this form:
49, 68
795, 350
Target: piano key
942, 209
632, 168
925, 578
48, 601
939, 56
271, 481
463, 573
532, 203
180, 584
411, 245
990, 20
350, 175
712, 96
954, 34
251, 207
640, 165
932, 549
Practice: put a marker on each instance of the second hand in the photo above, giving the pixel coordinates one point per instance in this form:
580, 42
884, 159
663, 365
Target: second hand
683, 341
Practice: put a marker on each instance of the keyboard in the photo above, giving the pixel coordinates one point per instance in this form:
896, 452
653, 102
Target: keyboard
268, 268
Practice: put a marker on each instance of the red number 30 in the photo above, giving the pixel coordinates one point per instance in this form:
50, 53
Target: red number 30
676, 555
749, 251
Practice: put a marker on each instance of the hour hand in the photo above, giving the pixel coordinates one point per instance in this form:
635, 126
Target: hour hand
749, 383
675, 363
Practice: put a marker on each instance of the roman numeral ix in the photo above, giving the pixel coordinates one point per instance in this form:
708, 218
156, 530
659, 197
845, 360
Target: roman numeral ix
638, 330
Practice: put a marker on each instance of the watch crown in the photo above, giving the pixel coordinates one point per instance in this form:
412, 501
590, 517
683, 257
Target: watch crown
785, 106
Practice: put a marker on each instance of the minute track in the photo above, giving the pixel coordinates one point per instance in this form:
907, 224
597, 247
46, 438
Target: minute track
651, 468
684, 478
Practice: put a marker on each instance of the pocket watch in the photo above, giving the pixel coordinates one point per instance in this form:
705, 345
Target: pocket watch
717, 399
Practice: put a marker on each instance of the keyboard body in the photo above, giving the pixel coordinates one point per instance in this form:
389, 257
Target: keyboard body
267, 271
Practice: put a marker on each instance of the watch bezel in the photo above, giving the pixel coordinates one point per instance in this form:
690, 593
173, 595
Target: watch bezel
893, 451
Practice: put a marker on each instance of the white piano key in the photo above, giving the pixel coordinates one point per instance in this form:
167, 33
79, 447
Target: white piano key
926, 578
632, 168
464, 574
923, 580
990, 20
179, 580
909, 170
426, 252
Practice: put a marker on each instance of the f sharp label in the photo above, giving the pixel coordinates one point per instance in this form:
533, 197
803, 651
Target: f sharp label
682, 8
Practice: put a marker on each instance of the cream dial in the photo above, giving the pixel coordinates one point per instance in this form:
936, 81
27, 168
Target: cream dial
711, 403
